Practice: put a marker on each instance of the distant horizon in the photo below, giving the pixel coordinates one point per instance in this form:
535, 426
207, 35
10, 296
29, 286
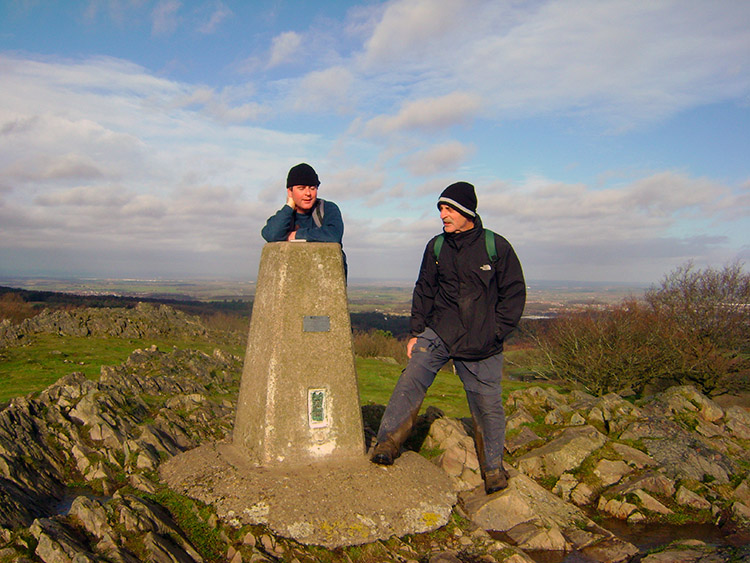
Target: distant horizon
5, 280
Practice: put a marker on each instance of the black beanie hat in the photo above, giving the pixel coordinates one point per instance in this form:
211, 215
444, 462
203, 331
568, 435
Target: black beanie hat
302, 175
461, 197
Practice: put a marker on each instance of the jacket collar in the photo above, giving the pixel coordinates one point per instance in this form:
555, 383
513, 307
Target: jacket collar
460, 240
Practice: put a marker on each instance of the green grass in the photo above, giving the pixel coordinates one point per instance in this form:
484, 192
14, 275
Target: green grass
48, 357
206, 539
377, 379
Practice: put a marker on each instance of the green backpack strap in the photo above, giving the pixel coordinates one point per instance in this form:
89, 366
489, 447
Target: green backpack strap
489, 243
438, 245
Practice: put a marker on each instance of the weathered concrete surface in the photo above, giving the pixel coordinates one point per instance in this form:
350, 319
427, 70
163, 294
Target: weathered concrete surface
333, 504
299, 363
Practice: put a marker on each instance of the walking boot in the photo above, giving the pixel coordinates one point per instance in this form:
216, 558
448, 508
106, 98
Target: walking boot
383, 454
495, 480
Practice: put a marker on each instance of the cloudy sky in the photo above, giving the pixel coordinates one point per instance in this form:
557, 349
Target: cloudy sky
607, 140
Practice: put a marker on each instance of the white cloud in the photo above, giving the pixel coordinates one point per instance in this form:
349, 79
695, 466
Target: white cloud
220, 13
324, 91
353, 182
283, 48
164, 18
99, 154
427, 114
57, 167
85, 196
623, 61
439, 158
104, 150
412, 28
543, 211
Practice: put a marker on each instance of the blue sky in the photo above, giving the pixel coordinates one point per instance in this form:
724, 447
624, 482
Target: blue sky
607, 140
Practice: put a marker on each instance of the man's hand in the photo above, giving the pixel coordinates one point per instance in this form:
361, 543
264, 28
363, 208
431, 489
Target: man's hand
410, 345
290, 201
292, 235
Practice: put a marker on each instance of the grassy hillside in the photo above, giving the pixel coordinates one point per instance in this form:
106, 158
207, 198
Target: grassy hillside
31, 368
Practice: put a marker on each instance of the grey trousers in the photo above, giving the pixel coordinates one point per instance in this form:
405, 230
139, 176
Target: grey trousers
481, 380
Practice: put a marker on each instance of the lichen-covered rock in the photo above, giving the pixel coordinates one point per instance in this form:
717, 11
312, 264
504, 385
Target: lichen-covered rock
521, 439
57, 544
610, 472
686, 398
82, 430
142, 321
633, 457
686, 497
563, 453
532, 516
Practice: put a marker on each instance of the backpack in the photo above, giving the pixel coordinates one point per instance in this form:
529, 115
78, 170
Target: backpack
489, 243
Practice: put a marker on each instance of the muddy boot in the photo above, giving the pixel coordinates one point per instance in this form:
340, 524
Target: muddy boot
384, 454
495, 480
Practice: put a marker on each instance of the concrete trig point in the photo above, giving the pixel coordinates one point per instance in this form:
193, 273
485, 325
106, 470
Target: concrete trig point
299, 400
297, 462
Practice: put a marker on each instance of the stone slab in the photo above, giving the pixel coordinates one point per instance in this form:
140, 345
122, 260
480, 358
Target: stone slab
332, 504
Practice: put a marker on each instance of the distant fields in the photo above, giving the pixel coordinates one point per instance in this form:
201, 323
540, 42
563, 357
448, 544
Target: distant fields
393, 298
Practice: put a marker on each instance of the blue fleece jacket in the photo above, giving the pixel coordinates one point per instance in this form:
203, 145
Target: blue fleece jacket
281, 224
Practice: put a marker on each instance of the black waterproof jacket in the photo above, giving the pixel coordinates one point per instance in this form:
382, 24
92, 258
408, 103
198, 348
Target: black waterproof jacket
471, 303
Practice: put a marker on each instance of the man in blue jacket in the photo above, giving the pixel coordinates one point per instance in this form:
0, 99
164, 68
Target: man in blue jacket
304, 216
469, 297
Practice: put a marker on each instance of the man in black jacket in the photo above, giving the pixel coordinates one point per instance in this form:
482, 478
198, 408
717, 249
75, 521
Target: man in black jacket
469, 296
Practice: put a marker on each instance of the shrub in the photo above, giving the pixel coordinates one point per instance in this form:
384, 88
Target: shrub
709, 305
607, 351
693, 329
14, 308
379, 344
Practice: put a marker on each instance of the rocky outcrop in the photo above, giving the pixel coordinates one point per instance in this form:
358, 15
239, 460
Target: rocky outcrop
78, 477
647, 462
107, 436
142, 321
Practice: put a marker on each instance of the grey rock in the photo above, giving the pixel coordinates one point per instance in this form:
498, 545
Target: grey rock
445, 557
650, 503
55, 544
164, 550
738, 422
652, 481
610, 472
611, 550
92, 516
517, 418
563, 453
541, 520
524, 438
686, 497
687, 458
632, 456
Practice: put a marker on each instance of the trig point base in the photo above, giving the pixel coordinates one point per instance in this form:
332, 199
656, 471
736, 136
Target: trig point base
299, 400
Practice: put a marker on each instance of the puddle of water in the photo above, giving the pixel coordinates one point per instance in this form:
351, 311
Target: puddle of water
643, 536
647, 536
558, 557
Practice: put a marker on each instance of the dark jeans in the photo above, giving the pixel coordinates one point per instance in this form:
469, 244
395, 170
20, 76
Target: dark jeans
481, 381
